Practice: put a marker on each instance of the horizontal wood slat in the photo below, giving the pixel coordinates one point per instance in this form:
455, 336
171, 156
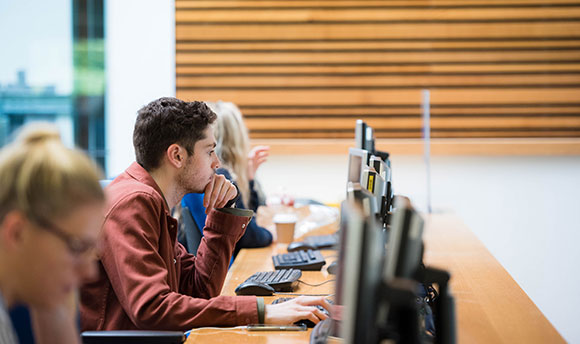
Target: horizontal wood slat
310, 68
410, 110
273, 98
306, 31
490, 133
371, 57
332, 46
415, 123
425, 69
402, 81
190, 17
252, 4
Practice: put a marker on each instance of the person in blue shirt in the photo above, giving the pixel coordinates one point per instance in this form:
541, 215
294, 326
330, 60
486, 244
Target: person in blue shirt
239, 164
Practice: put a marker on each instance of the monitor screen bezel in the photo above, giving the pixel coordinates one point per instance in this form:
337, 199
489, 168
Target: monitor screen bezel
360, 130
404, 247
360, 272
364, 158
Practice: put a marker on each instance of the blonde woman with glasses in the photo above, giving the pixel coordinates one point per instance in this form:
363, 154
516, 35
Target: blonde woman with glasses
51, 207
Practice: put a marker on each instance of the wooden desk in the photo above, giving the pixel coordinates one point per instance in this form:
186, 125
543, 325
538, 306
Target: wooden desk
250, 261
490, 306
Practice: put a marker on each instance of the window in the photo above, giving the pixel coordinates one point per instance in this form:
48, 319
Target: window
53, 70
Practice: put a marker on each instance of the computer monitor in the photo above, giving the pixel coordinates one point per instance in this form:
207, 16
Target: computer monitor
376, 178
378, 164
379, 187
368, 202
357, 160
360, 130
369, 140
403, 273
350, 219
389, 194
364, 137
359, 273
405, 244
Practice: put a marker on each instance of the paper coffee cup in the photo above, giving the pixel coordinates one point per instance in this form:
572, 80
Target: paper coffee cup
285, 224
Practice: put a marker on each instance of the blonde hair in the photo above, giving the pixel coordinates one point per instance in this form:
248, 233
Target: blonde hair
42, 178
233, 144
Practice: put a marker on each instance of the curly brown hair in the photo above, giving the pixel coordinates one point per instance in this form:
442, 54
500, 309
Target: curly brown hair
166, 121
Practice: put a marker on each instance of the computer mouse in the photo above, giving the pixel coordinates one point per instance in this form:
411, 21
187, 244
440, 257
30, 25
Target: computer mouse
299, 246
332, 268
305, 322
309, 323
254, 288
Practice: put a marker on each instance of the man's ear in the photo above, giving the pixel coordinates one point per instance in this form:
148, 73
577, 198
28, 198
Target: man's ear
12, 229
176, 155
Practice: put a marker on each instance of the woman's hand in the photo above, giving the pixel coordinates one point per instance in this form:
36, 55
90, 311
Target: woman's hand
257, 156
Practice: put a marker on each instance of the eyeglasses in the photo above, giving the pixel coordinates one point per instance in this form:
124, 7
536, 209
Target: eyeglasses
76, 246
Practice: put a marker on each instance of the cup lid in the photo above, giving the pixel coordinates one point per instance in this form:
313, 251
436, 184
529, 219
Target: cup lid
285, 218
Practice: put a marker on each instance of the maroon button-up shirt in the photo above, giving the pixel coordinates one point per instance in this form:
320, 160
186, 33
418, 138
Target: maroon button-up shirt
147, 279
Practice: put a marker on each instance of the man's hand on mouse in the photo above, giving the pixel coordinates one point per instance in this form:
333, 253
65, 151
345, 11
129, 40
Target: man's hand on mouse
302, 307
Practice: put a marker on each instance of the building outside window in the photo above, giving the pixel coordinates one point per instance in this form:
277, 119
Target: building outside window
53, 70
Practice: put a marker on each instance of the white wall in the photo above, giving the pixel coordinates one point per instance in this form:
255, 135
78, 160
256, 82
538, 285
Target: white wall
140, 67
524, 209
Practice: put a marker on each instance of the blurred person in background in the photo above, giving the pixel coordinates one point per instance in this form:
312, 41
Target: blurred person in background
51, 210
239, 165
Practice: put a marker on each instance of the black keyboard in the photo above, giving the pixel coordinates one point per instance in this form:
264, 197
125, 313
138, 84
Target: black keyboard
303, 260
280, 280
321, 331
322, 241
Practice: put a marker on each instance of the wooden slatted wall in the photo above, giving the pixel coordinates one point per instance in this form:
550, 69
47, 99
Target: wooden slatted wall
306, 68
